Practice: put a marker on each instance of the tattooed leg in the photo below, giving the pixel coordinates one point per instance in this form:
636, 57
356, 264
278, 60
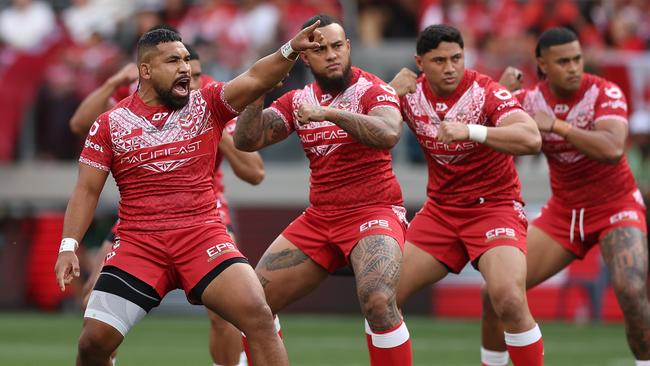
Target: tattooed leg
625, 251
376, 262
287, 274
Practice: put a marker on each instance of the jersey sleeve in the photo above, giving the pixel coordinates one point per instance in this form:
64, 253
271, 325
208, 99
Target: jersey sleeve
610, 104
217, 104
98, 151
284, 108
499, 103
380, 95
230, 127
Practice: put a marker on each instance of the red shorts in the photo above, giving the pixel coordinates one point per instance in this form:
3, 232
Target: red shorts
171, 259
578, 229
328, 237
455, 235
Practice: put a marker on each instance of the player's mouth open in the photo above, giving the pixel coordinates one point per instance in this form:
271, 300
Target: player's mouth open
182, 86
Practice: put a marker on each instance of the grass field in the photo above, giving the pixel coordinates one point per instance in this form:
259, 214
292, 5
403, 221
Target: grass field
30, 339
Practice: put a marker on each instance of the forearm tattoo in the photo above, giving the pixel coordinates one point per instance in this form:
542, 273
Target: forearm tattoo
374, 131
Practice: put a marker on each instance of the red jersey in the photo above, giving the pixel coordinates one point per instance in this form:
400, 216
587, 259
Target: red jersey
162, 160
218, 174
344, 172
576, 180
464, 172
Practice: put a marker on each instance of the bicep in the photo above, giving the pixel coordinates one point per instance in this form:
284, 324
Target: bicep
616, 130
390, 115
241, 91
518, 118
91, 179
275, 127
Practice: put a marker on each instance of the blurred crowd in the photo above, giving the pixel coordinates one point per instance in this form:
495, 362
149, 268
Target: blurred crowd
53, 53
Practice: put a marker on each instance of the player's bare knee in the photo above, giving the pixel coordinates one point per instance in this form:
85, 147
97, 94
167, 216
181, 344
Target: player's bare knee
509, 304
93, 343
258, 319
376, 305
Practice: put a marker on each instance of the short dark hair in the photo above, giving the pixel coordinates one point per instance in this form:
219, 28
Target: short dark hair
325, 20
431, 37
194, 55
155, 37
553, 37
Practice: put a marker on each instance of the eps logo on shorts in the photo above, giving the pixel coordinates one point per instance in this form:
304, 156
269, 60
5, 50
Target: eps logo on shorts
501, 233
219, 249
624, 216
374, 224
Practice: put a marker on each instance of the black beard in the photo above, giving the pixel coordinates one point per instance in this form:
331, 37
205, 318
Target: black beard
169, 100
337, 84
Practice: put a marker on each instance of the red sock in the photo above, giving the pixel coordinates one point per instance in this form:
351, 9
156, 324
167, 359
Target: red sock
278, 329
389, 348
527, 348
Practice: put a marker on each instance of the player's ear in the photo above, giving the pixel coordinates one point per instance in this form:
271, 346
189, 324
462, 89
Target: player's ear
304, 59
145, 70
418, 62
541, 65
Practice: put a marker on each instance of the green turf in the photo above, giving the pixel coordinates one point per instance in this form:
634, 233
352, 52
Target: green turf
37, 339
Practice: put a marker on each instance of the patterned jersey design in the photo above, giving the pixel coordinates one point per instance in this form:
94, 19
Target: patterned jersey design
344, 172
464, 172
575, 179
162, 159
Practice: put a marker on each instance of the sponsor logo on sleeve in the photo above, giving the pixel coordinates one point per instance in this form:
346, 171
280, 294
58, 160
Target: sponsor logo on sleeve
503, 94
614, 104
92, 145
613, 92
500, 233
94, 128
386, 97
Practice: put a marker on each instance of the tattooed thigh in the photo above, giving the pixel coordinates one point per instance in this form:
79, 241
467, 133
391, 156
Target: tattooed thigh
376, 262
286, 258
625, 251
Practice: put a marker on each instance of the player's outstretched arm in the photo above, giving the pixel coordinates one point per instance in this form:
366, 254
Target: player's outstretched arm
97, 102
257, 128
270, 70
517, 134
78, 216
247, 166
381, 128
605, 143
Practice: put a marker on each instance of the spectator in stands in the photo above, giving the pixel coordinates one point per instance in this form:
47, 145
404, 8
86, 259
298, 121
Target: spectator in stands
26, 24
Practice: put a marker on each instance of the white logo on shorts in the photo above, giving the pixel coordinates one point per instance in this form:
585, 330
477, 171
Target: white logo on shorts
624, 216
501, 233
219, 249
374, 223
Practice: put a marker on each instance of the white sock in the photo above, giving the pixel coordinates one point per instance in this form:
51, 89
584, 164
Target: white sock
494, 358
642, 363
524, 338
243, 361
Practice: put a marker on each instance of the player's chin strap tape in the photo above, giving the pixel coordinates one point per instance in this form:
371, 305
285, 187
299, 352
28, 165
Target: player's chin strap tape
115, 281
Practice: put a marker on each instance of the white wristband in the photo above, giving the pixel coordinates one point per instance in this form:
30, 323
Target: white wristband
477, 133
68, 245
288, 52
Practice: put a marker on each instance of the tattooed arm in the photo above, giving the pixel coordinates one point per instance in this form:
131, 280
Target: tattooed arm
257, 128
381, 128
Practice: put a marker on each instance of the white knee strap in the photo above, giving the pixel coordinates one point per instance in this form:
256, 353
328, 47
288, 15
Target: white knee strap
113, 310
